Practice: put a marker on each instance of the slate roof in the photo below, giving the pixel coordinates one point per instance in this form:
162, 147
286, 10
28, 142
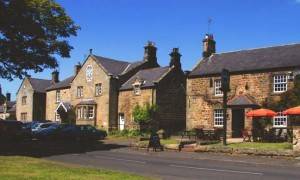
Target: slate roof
285, 56
149, 76
66, 83
116, 67
242, 100
40, 85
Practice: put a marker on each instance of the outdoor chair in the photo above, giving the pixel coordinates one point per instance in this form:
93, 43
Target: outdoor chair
247, 135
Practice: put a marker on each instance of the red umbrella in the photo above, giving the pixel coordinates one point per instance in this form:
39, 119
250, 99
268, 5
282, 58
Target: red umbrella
261, 113
292, 111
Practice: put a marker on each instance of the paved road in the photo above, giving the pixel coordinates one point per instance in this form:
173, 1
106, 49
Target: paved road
175, 165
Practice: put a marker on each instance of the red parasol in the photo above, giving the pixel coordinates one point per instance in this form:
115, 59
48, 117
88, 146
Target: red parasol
261, 113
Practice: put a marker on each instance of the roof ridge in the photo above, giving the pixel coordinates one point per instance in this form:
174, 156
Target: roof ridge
39, 79
257, 48
110, 59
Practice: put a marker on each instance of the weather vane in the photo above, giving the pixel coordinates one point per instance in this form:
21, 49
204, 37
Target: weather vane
209, 21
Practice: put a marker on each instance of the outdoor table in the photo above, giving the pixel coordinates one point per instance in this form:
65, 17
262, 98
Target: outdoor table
209, 133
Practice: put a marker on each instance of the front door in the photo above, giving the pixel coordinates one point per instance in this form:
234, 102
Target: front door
238, 122
121, 121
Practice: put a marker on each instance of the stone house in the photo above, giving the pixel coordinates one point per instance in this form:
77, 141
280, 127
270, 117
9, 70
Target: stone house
31, 98
58, 97
162, 86
256, 76
8, 108
94, 90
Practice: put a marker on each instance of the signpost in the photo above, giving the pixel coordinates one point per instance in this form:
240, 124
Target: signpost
225, 88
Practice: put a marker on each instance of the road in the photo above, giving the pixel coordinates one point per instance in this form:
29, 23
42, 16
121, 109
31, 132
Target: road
175, 165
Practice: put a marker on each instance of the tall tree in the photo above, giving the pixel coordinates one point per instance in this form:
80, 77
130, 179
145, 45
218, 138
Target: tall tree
33, 33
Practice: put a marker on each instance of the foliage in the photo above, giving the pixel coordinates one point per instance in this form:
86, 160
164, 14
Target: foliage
12, 117
144, 114
17, 167
32, 35
289, 99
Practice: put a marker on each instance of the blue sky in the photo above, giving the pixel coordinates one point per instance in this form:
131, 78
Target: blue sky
120, 28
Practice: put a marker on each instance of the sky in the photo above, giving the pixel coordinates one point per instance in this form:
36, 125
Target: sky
119, 29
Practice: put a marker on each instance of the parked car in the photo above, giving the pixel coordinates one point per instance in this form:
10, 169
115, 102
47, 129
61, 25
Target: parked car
82, 133
11, 130
40, 126
71, 132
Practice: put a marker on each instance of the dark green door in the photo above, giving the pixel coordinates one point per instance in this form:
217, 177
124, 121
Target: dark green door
238, 122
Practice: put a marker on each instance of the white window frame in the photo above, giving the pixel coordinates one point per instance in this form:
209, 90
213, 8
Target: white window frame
79, 91
280, 83
280, 121
217, 87
98, 89
218, 118
57, 117
91, 112
58, 97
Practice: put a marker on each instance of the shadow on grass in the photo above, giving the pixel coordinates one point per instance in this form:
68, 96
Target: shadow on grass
35, 148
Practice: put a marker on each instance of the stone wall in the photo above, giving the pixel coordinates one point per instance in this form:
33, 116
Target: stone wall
99, 76
201, 100
171, 101
51, 103
128, 100
25, 90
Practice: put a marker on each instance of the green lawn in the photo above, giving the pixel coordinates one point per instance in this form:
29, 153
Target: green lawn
18, 167
260, 145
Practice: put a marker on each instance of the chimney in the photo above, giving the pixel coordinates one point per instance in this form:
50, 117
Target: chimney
8, 95
209, 45
55, 78
175, 58
77, 68
150, 54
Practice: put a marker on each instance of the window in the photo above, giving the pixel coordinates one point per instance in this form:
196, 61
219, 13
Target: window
280, 120
218, 118
280, 83
57, 117
24, 98
218, 85
137, 89
98, 89
85, 112
91, 112
58, 96
23, 116
79, 91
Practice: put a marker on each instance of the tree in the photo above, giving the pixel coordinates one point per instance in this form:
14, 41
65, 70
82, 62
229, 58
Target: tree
144, 114
32, 34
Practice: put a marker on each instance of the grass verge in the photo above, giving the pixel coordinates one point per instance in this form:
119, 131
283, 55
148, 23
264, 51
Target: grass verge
258, 145
19, 167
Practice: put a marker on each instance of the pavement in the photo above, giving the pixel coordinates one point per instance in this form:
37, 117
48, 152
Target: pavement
181, 165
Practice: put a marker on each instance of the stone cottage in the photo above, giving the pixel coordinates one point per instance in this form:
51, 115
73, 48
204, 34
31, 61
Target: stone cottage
162, 86
8, 108
31, 98
93, 91
256, 76
58, 97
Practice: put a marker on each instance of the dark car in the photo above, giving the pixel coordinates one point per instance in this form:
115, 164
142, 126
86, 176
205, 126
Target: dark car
82, 133
49, 133
11, 130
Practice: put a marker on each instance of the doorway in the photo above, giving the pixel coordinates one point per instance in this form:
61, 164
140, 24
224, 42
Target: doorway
238, 122
121, 121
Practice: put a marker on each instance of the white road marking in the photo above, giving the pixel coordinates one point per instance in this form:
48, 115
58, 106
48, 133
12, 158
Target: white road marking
217, 170
120, 159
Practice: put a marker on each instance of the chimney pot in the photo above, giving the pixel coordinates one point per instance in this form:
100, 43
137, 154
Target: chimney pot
175, 58
209, 45
150, 54
77, 68
55, 78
